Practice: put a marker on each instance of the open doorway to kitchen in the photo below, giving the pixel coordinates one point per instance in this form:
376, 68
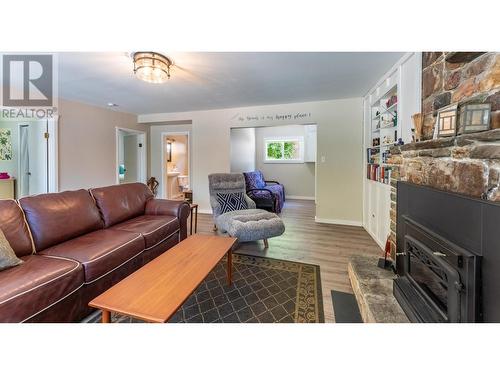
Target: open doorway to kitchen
28, 158
131, 161
176, 171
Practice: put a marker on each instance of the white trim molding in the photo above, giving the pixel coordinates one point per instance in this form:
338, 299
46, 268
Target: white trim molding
301, 197
352, 223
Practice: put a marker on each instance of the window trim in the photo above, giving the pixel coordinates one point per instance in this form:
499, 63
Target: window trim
298, 139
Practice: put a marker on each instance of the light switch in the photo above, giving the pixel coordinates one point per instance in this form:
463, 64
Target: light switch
323, 159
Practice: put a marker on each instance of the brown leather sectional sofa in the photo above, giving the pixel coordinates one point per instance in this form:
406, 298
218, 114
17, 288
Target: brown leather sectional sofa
77, 244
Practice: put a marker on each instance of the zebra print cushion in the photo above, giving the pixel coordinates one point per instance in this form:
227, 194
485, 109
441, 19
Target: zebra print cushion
231, 202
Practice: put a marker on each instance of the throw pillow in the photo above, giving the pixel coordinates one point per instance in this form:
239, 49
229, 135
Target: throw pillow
231, 202
8, 257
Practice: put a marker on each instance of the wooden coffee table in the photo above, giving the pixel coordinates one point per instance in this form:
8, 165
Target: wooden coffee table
156, 291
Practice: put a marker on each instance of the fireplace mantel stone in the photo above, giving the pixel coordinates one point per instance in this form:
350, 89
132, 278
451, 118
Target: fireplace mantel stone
467, 164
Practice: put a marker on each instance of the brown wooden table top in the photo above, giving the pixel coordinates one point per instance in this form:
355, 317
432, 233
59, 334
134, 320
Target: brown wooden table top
156, 291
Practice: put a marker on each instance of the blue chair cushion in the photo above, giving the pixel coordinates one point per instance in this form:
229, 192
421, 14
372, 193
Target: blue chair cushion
231, 202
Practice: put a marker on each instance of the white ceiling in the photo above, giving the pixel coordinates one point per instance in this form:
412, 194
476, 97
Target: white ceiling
201, 81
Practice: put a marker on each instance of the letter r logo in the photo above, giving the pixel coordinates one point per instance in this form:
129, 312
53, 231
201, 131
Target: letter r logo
27, 80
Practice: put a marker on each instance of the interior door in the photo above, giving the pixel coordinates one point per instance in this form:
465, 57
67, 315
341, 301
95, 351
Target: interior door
131, 158
33, 162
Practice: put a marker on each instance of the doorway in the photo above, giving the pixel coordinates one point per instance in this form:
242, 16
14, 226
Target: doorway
30, 156
131, 162
176, 170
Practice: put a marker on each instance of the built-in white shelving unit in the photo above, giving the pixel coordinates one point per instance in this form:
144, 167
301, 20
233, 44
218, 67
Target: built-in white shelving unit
385, 122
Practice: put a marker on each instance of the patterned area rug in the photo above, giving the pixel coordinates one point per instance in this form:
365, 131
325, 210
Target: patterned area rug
264, 290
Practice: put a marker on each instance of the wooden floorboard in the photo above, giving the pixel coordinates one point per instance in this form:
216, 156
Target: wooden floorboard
304, 240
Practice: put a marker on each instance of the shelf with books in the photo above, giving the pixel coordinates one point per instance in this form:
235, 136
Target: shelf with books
379, 173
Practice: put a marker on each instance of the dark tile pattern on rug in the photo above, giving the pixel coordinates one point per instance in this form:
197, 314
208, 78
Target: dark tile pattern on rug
264, 290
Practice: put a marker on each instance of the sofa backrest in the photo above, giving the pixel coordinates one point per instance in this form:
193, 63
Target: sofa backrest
58, 217
121, 202
15, 228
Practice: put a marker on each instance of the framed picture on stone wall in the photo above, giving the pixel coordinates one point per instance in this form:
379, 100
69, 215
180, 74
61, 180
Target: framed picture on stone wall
447, 121
5, 144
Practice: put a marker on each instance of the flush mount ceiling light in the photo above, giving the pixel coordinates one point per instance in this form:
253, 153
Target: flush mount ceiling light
151, 66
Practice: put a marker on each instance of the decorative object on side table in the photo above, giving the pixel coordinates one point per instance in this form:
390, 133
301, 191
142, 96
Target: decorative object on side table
447, 121
153, 185
417, 126
474, 118
188, 196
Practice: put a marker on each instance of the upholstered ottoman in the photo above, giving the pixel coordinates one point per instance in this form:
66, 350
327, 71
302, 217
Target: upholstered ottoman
251, 225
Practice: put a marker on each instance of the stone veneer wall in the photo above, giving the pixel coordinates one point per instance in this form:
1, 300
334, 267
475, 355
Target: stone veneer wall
467, 164
445, 83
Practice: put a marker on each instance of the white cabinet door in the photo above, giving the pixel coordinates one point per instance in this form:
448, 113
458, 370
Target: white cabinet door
311, 143
373, 209
383, 213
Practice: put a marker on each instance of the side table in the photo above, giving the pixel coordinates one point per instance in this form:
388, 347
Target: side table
194, 212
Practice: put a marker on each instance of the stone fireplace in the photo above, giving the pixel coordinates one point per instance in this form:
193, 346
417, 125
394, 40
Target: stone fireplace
467, 164
463, 172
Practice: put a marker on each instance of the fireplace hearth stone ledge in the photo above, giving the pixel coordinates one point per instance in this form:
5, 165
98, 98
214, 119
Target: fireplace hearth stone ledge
372, 288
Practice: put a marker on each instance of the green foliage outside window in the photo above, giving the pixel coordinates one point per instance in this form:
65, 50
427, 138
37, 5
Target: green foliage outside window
275, 150
282, 150
290, 148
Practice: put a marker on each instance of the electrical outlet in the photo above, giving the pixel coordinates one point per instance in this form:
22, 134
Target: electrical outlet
323, 159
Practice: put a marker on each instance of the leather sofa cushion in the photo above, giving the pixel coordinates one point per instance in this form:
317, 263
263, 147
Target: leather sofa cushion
35, 285
59, 217
14, 227
121, 202
154, 228
100, 252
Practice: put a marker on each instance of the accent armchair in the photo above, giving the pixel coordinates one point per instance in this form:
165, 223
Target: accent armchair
267, 195
226, 183
227, 197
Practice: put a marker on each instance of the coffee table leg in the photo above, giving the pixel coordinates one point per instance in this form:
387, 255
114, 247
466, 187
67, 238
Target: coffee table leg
106, 316
230, 267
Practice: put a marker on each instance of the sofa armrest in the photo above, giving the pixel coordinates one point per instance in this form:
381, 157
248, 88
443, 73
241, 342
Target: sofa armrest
179, 209
272, 182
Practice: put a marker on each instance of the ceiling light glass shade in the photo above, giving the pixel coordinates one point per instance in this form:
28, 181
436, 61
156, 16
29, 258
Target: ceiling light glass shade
152, 67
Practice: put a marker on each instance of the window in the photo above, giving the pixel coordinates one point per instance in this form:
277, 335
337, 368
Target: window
284, 150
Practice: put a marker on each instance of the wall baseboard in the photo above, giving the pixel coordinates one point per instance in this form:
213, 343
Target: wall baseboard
204, 211
338, 222
301, 197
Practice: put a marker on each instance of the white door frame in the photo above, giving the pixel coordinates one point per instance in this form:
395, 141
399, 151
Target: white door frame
163, 166
52, 152
143, 161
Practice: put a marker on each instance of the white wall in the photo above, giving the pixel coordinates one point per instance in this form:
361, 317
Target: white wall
298, 178
242, 150
339, 174
87, 144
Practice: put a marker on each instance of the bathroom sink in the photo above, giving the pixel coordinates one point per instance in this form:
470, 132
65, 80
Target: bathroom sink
173, 174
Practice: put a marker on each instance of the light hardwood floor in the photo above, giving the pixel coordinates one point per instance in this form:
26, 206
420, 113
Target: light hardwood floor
304, 240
